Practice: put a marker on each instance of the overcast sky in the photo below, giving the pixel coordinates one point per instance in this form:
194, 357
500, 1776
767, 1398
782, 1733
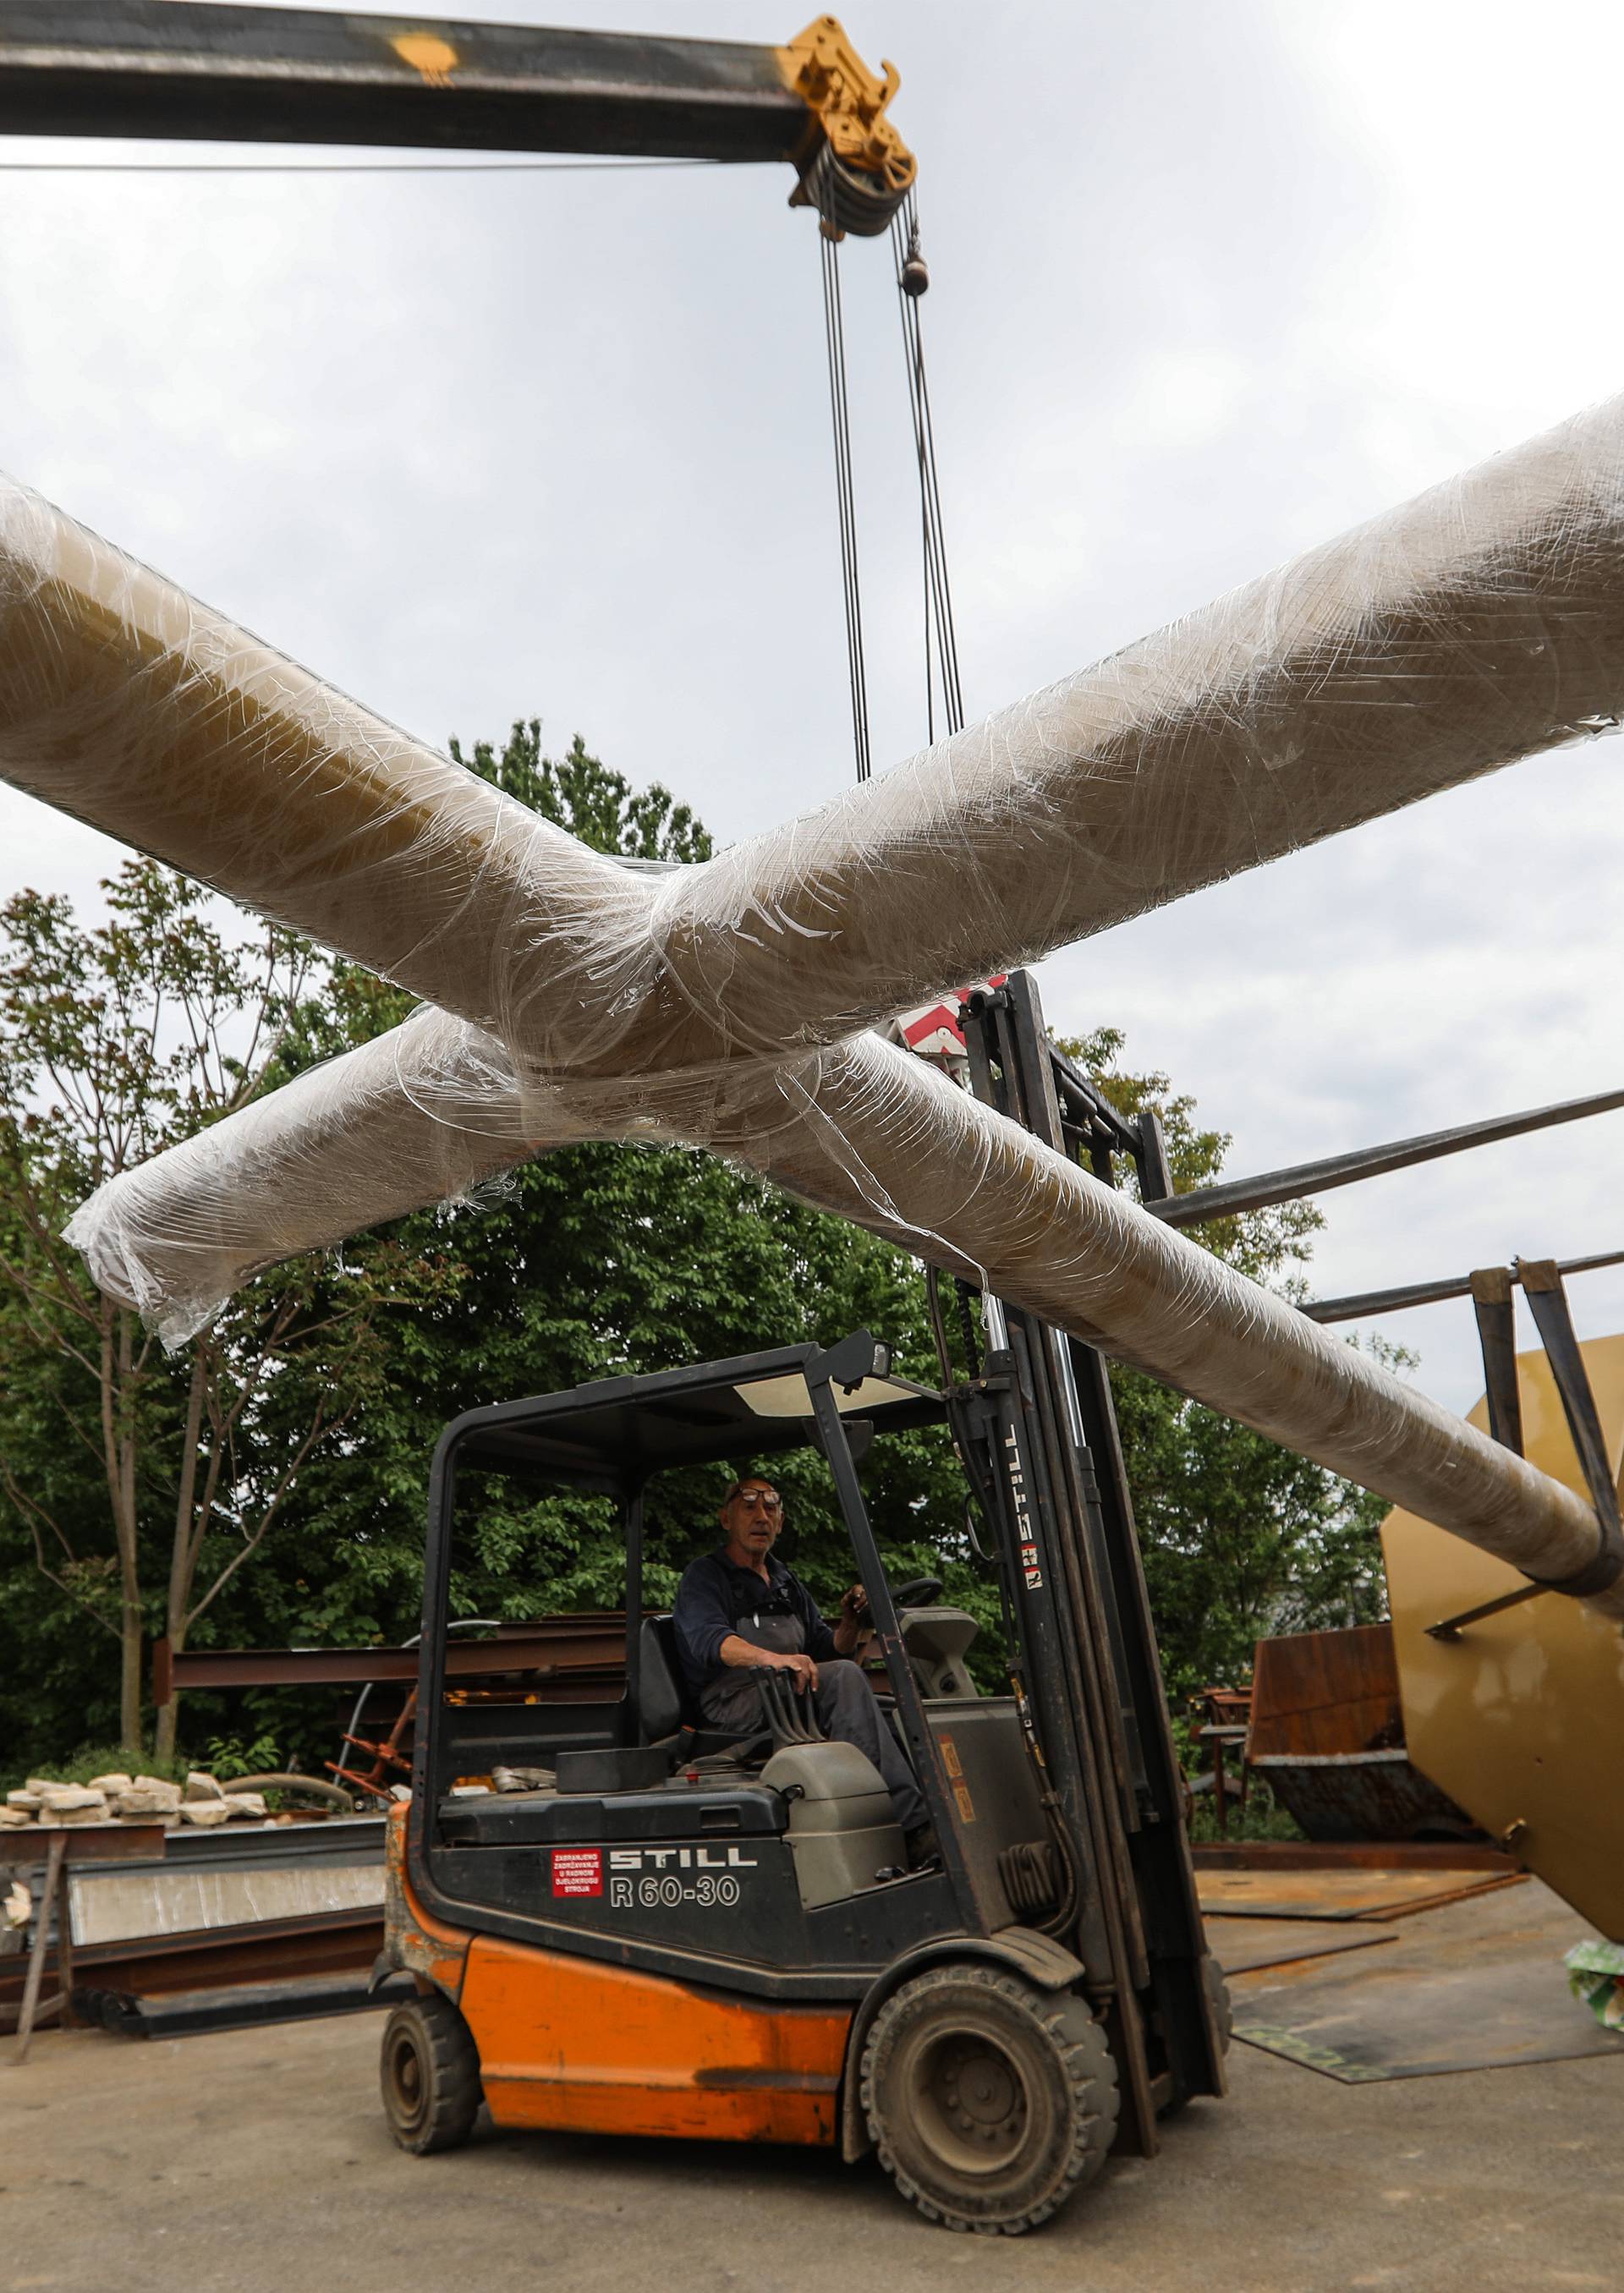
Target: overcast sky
1208, 284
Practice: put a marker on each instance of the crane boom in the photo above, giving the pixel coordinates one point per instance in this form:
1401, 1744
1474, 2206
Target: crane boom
202, 72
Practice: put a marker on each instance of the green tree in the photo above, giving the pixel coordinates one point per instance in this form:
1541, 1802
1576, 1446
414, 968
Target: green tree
1241, 1538
145, 1483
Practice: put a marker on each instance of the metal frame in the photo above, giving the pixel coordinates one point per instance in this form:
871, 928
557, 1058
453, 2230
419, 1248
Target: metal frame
1490, 1289
1492, 1300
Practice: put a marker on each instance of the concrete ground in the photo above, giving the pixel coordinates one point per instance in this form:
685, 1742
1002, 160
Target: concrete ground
256, 2161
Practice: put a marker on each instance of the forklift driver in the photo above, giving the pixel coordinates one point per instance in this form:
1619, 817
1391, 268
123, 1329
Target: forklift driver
738, 1610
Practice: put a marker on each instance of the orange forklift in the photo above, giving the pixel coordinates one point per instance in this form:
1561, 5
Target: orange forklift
619, 1921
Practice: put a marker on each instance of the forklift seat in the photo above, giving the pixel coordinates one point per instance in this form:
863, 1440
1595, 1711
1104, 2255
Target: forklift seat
669, 1716
661, 1701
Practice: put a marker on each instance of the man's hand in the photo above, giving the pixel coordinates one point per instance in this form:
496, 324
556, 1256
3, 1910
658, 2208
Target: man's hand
854, 1619
802, 1666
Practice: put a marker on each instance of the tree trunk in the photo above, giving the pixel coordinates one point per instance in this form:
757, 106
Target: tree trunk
183, 1557
119, 1451
168, 1714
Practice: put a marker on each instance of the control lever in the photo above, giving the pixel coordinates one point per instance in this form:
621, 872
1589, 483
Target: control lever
789, 1714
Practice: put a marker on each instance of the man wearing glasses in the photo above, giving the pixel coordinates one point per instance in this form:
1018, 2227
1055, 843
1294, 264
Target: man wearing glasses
739, 1610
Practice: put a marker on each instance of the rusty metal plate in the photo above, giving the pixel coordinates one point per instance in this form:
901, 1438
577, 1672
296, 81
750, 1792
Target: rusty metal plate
85, 1842
1346, 1855
1520, 1720
1362, 1895
1435, 2000
1241, 1944
1323, 1693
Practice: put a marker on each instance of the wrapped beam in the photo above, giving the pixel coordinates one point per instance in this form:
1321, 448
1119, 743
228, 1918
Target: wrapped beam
127, 703
867, 1132
1478, 623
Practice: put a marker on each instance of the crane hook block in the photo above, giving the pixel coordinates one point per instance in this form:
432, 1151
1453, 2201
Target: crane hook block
854, 166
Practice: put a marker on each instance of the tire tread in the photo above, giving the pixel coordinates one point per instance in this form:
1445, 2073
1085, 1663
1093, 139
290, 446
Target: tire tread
455, 2090
1080, 2046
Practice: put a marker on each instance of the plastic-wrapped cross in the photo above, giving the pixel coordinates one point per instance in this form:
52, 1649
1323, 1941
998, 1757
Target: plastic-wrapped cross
567, 996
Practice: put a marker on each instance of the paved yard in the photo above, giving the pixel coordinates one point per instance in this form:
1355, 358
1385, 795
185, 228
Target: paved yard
256, 2162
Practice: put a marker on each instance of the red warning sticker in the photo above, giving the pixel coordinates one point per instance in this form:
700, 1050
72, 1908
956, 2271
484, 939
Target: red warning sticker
578, 1870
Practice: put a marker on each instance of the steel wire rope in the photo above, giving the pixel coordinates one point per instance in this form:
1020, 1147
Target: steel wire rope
938, 584
834, 340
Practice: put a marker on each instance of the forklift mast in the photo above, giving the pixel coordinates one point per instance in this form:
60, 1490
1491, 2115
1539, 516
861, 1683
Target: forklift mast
1037, 1430
181, 68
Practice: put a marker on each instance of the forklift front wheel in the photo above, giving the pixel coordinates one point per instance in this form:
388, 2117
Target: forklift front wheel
430, 2075
989, 2103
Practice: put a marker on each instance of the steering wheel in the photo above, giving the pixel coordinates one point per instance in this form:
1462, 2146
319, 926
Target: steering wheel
918, 1593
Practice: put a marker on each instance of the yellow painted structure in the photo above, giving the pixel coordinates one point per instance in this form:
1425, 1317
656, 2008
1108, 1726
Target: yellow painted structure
849, 101
1522, 1719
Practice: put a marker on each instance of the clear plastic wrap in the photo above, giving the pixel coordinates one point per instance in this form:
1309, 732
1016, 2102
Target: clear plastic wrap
869, 1131
583, 998
1476, 624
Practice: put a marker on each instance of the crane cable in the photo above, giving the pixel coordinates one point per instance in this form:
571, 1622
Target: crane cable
912, 281
941, 640
835, 337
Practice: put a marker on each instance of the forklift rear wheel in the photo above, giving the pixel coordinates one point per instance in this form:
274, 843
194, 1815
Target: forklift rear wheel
430, 2075
990, 2103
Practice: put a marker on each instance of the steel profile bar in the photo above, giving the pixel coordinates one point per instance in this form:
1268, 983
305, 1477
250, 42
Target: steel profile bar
1541, 1281
1451, 1628
1547, 1301
1366, 1304
1496, 1310
255, 75
546, 1651
1236, 1196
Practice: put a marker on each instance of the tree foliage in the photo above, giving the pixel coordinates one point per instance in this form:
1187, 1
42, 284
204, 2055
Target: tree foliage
145, 1485
273, 1476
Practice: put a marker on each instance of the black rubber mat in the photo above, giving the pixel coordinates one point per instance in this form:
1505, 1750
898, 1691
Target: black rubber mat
1434, 2001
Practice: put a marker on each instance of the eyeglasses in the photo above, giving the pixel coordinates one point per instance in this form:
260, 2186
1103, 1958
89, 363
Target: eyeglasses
762, 1500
